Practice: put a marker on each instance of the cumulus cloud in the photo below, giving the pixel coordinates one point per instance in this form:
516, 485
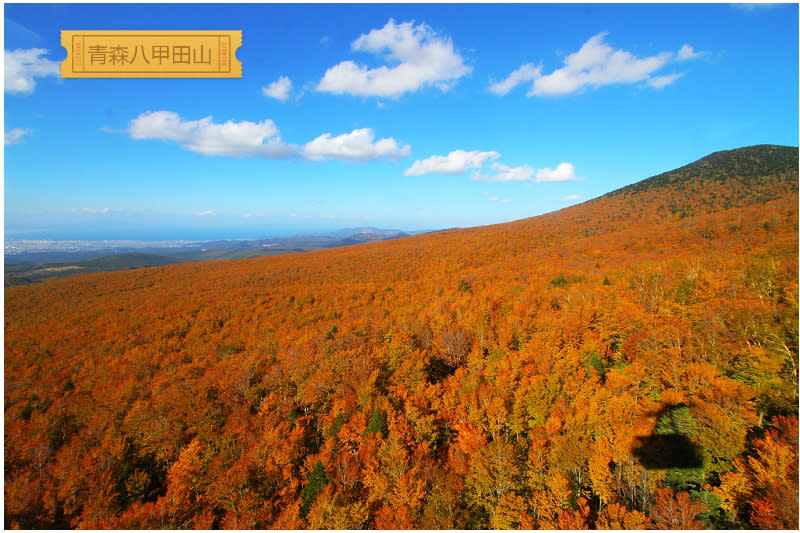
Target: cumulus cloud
571, 197
14, 136
23, 66
687, 52
507, 173
260, 139
208, 213
278, 89
563, 172
525, 73
420, 58
595, 65
358, 145
455, 162
235, 139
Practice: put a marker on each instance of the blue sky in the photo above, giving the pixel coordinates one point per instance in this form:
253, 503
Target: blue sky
396, 116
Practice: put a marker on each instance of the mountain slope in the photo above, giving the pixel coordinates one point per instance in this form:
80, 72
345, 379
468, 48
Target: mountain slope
593, 367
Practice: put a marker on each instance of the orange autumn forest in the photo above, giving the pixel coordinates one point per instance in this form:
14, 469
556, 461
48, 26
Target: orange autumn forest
630, 362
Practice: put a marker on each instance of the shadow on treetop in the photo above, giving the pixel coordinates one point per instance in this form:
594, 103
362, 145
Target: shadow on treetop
669, 446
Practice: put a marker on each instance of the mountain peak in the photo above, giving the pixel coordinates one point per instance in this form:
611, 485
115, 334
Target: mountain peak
718, 181
760, 168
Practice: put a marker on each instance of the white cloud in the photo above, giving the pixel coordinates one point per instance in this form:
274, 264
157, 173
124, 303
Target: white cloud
506, 173
22, 66
420, 56
662, 81
208, 213
455, 162
753, 6
595, 65
563, 172
278, 89
357, 145
261, 139
235, 139
525, 73
494, 199
687, 52
478, 176
571, 197
14, 136
506, 200
92, 211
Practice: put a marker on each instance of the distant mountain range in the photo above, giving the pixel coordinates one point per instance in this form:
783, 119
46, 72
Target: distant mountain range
44, 263
347, 232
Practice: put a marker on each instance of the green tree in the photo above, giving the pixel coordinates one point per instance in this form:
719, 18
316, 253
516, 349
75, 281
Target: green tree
316, 482
377, 423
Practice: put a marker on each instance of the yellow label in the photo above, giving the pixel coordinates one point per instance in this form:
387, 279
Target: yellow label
151, 54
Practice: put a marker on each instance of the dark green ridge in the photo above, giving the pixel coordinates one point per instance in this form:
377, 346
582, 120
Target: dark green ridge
746, 165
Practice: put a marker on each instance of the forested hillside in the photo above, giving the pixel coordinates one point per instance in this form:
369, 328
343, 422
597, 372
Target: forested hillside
629, 362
